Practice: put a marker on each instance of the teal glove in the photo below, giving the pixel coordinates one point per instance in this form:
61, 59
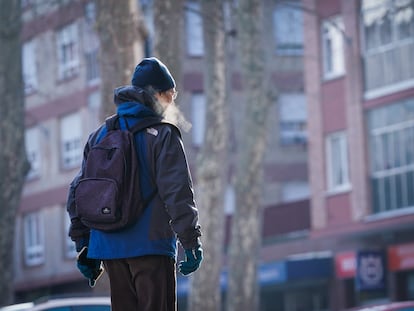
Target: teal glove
90, 268
193, 258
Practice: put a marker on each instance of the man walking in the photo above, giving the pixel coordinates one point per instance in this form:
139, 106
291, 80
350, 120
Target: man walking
140, 259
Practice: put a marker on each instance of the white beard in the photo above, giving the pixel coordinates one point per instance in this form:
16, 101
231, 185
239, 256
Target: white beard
172, 114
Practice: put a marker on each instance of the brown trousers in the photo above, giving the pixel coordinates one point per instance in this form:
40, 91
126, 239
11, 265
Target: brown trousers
145, 283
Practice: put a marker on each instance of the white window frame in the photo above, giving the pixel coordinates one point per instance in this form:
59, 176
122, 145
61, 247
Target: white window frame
34, 239
385, 61
67, 40
71, 140
198, 118
333, 48
29, 67
344, 185
194, 30
33, 150
288, 29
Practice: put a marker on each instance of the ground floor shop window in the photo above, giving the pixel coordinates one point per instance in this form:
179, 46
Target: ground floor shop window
271, 300
405, 285
410, 285
302, 298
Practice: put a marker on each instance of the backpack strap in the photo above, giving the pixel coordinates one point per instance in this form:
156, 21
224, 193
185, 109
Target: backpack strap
146, 122
112, 122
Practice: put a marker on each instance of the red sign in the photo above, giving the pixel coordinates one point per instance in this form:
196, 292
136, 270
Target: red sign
345, 265
401, 257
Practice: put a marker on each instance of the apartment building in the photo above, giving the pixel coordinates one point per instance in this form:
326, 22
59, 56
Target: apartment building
62, 87
359, 77
61, 76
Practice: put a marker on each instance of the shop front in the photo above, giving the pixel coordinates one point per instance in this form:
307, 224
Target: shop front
386, 275
294, 284
401, 264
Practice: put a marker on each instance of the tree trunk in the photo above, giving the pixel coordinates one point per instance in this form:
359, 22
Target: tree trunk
168, 25
13, 161
120, 32
245, 240
212, 165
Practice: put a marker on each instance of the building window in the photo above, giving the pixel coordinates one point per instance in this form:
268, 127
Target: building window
29, 67
391, 138
310, 298
295, 191
194, 29
94, 110
90, 44
70, 250
92, 67
90, 13
24, 4
410, 285
68, 54
71, 136
292, 119
288, 29
33, 152
148, 14
34, 239
333, 48
404, 19
229, 9
198, 118
229, 200
388, 30
337, 162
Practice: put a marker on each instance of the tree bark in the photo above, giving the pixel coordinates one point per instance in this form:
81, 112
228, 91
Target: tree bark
212, 168
168, 25
245, 240
120, 32
13, 161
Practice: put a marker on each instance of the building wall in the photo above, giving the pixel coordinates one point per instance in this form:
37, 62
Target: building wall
54, 99
346, 221
312, 76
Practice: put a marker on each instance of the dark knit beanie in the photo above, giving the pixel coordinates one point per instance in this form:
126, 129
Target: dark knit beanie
151, 71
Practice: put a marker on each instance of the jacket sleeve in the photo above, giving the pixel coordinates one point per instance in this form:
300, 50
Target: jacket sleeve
78, 232
175, 188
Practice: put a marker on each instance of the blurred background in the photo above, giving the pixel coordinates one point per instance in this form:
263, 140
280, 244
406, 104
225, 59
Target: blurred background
301, 145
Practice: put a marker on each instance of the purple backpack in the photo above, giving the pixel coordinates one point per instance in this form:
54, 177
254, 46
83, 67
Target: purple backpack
108, 195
